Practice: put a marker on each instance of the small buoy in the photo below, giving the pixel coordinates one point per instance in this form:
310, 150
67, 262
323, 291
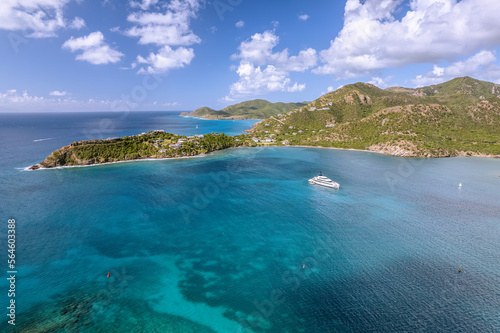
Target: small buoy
108, 274
303, 266
460, 269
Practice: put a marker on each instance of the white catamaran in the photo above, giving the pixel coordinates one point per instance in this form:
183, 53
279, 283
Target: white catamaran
324, 181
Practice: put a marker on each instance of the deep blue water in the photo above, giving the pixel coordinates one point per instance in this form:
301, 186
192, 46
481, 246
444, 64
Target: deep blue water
238, 241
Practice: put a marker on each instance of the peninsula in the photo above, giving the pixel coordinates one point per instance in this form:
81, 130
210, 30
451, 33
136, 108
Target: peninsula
456, 118
254, 109
154, 144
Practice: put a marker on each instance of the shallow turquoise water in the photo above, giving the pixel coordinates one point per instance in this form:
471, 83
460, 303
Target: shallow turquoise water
238, 241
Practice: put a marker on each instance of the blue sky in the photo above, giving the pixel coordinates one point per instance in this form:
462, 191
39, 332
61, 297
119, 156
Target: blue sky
107, 55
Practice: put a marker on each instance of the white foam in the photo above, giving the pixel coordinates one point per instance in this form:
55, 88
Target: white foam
38, 140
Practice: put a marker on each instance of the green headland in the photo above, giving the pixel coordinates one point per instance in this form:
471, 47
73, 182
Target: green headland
151, 145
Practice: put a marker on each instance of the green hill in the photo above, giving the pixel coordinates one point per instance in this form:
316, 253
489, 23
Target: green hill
255, 109
456, 118
459, 117
153, 144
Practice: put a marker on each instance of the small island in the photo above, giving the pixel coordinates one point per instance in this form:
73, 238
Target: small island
151, 145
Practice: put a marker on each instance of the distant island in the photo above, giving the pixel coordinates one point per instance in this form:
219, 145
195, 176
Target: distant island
254, 109
460, 117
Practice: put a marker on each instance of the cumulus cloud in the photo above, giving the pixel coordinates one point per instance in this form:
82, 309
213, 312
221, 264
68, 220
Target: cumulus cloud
481, 66
39, 18
95, 50
166, 29
303, 17
13, 97
254, 80
58, 93
373, 38
144, 4
240, 24
78, 23
261, 70
380, 82
12, 100
162, 29
167, 58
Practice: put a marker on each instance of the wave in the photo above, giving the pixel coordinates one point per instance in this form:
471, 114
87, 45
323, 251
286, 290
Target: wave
45, 139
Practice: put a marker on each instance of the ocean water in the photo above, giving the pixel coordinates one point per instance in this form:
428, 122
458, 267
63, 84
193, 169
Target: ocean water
238, 241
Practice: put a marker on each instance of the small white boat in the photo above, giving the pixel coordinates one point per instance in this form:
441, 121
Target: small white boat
324, 181
460, 185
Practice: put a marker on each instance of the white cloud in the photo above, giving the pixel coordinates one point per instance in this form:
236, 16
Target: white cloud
41, 18
144, 4
261, 70
254, 81
78, 23
259, 50
303, 17
240, 24
430, 31
170, 104
481, 66
58, 93
82, 43
95, 50
163, 35
380, 82
330, 89
166, 59
166, 29
12, 100
438, 71
13, 97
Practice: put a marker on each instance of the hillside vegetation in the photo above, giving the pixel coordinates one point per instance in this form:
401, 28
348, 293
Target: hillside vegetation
459, 117
254, 109
153, 144
456, 118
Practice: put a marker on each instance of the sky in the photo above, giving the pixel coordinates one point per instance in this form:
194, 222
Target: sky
133, 55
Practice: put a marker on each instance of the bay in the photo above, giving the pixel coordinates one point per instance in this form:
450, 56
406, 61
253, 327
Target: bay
238, 241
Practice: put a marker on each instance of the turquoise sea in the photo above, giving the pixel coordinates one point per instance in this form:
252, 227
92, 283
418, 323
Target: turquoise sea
238, 241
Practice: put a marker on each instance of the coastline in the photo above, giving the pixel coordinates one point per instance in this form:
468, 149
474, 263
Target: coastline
227, 118
462, 154
115, 162
194, 117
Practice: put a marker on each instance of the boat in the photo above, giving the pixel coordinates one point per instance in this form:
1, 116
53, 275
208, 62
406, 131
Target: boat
324, 181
